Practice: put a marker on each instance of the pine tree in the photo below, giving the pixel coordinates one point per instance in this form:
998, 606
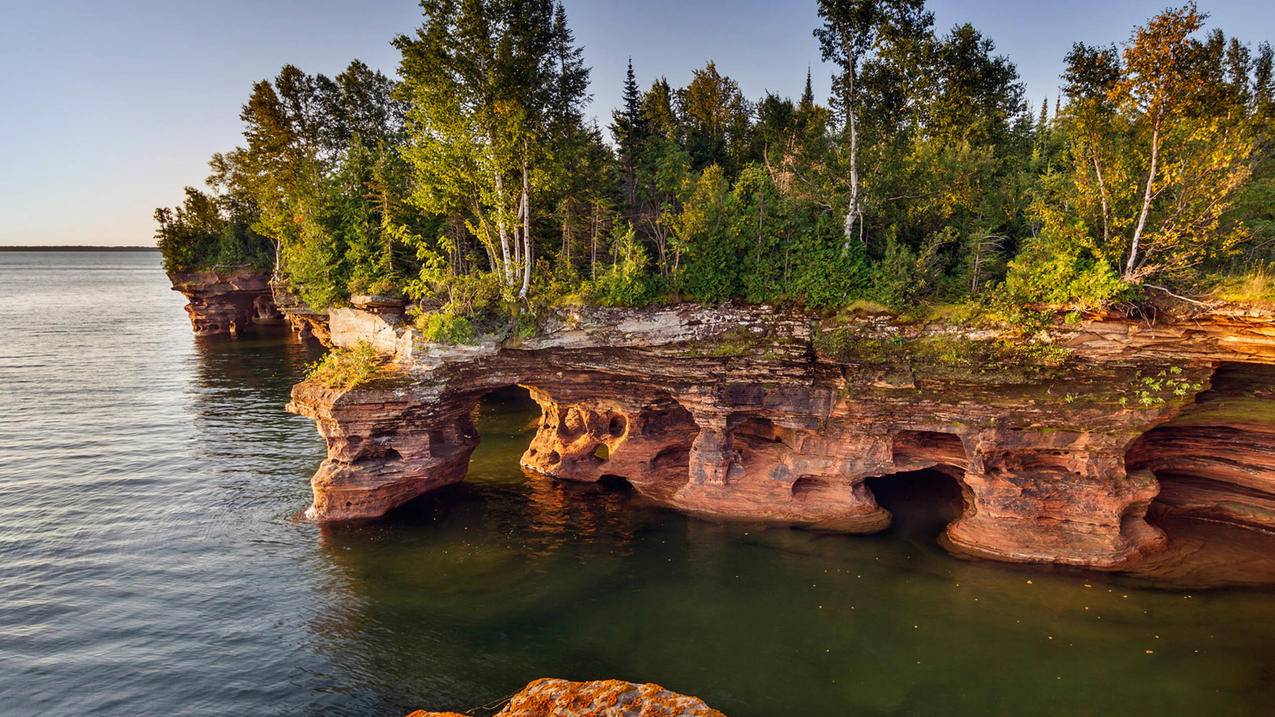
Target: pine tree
807, 95
1263, 83
628, 128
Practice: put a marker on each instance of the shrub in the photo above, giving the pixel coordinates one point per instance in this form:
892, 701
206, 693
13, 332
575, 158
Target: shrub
894, 280
348, 368
626, 282
1058, 273
446, 328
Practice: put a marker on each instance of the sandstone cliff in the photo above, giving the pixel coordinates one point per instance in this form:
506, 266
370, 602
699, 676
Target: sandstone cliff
752, 413
226, 301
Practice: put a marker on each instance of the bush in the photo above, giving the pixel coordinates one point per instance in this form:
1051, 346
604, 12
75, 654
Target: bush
1058, 273
894, 280
826, 275
198, 235
626, 282
348, 368
446, 328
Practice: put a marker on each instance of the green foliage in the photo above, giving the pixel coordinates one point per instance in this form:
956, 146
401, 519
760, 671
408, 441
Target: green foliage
357, 367
1157, 389
626, 282
476, 189
445, 328
894, 279
1059, 273
202, 234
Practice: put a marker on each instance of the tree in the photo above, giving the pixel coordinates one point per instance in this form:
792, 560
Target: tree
495, 87
716, 119
1160, 80
848, 37
629, 130
1089, 79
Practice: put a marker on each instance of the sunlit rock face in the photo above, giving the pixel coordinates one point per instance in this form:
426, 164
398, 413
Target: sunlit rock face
754, 414
549, 697
226, 302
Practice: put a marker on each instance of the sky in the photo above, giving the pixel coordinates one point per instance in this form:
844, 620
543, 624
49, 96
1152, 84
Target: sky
107, 110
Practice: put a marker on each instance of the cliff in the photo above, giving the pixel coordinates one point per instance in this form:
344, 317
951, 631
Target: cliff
226, 301
1060, 449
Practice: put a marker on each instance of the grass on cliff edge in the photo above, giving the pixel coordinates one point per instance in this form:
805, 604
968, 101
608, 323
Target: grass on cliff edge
356, 367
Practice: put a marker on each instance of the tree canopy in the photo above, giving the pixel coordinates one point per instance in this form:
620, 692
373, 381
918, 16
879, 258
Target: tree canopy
473, 185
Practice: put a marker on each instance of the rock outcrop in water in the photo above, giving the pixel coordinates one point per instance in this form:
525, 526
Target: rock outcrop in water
755, 414
226, 301
549, 697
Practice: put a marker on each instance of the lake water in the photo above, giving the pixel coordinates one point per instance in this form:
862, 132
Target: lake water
150, 564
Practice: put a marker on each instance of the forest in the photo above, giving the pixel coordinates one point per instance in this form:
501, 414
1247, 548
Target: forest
473, 186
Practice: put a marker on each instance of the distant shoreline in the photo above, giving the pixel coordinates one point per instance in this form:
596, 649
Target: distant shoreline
72, 247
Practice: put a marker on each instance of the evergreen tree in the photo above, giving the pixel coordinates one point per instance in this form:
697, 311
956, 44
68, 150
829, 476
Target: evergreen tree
629, 129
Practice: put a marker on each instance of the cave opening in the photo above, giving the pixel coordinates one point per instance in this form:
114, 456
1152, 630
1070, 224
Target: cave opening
922, 502
505, 419
616, 484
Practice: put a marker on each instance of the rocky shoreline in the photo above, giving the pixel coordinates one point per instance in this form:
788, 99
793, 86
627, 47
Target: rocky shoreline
756, 414
227, 301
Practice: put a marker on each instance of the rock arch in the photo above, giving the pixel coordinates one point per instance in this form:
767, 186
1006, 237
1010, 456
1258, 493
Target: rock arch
775, 430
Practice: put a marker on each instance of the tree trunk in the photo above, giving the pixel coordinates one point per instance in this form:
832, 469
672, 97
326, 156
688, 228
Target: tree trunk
978, 259
593, 243
854, 213
1132, 264
1102, 195
517, 239
505, 269
526, 228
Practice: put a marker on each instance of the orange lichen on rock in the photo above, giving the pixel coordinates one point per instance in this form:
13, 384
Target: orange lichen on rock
549, 697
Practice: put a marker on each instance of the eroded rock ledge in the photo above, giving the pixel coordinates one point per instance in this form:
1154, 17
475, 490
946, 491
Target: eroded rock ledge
226, 301
755, 414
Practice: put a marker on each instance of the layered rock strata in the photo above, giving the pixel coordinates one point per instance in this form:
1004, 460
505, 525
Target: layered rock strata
1216, 459
755, 414
549, 697
226, 301
304, 321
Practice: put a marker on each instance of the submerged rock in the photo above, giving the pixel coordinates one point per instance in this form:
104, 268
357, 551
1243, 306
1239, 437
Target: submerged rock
548, 697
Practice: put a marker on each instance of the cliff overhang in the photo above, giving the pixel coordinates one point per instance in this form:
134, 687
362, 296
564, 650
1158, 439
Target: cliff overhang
760, 414
227, 300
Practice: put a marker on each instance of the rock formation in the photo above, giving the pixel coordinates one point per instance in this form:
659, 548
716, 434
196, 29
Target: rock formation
226, 301
549, 697
305, 322
1216, 459
755, 414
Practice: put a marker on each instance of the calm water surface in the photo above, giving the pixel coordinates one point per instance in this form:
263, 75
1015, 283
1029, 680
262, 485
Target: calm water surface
149, 564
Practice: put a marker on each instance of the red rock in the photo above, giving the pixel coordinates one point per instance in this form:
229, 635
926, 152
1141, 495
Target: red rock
226, 301
732, 413
548, 697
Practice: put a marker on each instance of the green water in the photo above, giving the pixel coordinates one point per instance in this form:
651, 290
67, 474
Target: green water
150, 564
510, 577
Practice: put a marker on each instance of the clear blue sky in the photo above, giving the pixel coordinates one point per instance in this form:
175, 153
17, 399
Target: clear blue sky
111, 108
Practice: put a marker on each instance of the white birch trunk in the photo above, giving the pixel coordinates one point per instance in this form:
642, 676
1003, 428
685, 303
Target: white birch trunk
1132, 264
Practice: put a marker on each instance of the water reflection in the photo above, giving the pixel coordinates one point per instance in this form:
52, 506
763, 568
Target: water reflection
469, 593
